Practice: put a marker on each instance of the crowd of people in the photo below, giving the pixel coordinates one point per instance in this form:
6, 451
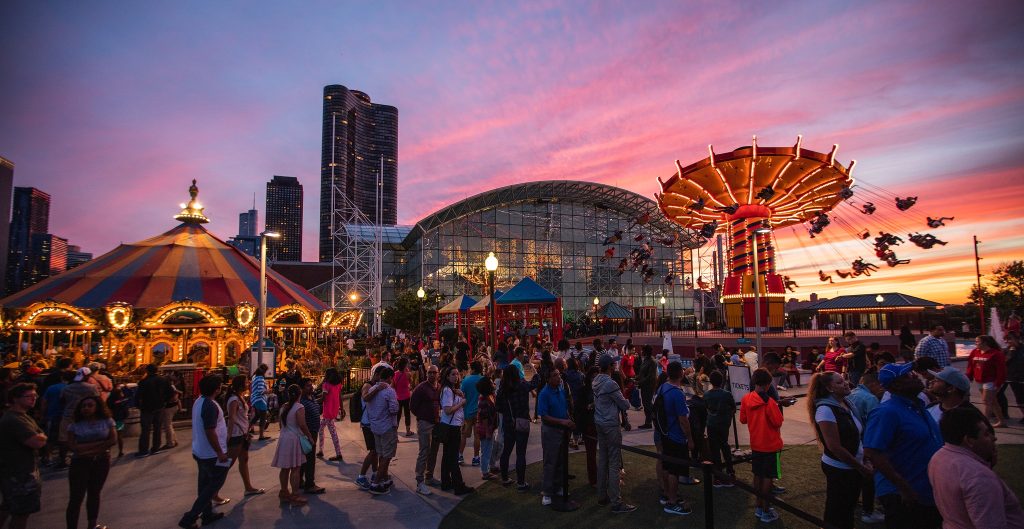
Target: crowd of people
887, 425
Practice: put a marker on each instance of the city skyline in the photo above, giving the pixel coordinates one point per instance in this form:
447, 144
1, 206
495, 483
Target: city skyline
927, 97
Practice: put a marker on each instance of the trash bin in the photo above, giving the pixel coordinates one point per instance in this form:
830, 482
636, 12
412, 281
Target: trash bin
132, 425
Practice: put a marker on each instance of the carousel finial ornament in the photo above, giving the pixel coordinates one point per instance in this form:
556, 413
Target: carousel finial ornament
192, 213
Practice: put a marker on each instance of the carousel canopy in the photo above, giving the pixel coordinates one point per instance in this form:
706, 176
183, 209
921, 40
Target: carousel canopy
459, 304
526, 291
186, 262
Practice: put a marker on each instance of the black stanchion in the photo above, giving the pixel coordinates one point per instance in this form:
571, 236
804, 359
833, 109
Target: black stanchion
709, 498
563, 503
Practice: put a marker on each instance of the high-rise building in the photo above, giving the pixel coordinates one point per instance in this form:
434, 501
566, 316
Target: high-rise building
284, 216
76, 256
247, 223
6, 191
30, 215
357, 134
49, 256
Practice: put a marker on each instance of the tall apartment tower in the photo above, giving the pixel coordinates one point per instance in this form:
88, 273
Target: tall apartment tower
6, 192
49, 256
30, 215
284, 216
357, 134
247, 223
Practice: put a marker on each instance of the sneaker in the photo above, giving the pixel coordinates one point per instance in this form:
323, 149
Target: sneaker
663, 499
758, 512
769, 515
507, 481
623, 508
476, 462
423, 489
687, 480
431, 482
778, 489
378, 489
461, 460
363, 483
209, 520
874, 517
679, 509
388, 483
545, 501
523, 487
719, 484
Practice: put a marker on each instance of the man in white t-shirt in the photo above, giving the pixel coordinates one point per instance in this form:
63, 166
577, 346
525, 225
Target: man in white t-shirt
350, 344
751, 359
210, 450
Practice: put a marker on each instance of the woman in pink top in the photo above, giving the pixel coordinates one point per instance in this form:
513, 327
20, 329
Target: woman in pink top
331, 408
833, 358
403, 391
987, 366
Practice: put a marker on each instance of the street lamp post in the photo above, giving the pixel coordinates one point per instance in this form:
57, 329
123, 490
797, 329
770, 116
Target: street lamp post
879, 299
757, 289
420, 294
596, 301
661, 321
263, 291
491, 264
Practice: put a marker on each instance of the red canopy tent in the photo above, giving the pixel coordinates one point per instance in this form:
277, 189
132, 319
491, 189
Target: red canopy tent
456, 314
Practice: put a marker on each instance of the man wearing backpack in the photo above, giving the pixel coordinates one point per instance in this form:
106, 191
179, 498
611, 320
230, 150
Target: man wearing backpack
673, 425
608, 404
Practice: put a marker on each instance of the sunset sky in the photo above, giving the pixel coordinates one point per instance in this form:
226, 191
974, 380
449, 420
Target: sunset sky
113, 107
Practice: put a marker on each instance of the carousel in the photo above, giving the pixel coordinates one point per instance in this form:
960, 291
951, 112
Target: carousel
182, 297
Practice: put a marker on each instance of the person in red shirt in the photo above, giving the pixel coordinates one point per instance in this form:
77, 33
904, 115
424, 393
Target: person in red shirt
987, 366
763, 418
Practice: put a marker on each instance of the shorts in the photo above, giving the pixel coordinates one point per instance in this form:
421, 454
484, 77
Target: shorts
239, 440
671, 448
766, 464
387, 443
468, 425
21, 494
371, 443
988, 386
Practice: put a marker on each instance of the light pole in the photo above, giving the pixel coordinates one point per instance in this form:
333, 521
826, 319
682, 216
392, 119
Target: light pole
757, 288
263, 292
491, 264
596, 301
879, 299
420, 294
661, 321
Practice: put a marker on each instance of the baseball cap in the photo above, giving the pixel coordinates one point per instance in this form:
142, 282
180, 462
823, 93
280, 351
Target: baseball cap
893, 371
82, 374
954, 377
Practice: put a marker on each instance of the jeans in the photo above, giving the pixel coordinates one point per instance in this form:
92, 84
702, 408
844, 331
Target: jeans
517, 440
451, 474
426, 460
899, 515
485, 454
718, 444
403, 408
86, 478
211, 479
552, 439
842, 487
497, 445
307, 472
609, 463
590, 447
867, 494
646, 394
150, 422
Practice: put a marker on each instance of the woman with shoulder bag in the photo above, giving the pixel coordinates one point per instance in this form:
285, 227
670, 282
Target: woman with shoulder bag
452, 403
514, 405
90, 436
239, 436
292, 447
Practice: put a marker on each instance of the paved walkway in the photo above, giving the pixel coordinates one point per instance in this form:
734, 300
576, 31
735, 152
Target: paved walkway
153, 492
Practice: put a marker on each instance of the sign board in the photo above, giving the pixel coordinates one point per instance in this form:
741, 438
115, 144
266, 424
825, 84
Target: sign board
268, 357
739, 381
666, 342
743, 341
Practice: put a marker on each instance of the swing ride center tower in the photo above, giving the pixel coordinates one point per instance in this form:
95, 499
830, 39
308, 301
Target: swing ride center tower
746, 194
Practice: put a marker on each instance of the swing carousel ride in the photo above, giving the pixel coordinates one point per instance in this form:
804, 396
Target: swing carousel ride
750, 193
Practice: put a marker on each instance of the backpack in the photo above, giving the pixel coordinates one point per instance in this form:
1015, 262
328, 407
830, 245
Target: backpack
355, 405
661, 418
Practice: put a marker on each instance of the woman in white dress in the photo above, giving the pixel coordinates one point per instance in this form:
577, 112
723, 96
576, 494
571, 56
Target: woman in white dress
290, 455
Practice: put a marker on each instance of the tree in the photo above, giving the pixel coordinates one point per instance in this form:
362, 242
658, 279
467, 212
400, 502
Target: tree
404, 313
1009, 277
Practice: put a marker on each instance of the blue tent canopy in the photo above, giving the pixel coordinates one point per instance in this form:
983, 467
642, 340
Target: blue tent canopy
459, 304
526, 291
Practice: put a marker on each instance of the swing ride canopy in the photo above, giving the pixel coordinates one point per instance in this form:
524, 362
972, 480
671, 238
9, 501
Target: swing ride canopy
802, 183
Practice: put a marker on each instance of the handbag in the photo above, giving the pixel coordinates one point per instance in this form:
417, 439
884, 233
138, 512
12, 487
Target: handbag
522, 425
305, 443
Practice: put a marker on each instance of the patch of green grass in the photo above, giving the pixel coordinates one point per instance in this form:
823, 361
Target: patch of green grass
496, 506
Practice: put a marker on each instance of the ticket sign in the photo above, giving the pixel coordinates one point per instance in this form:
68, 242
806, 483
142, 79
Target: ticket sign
739, 381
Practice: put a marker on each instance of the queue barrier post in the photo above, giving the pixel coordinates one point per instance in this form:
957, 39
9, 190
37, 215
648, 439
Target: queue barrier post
709, 499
